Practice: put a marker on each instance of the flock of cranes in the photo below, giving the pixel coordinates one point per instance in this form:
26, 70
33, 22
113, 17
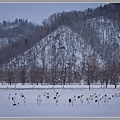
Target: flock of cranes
14, 97
97, 98
92, 98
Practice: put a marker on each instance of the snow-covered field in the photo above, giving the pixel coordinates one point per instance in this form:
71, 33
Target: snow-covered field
47, 107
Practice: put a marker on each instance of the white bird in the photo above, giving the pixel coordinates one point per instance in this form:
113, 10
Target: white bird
105, 99
13, 98
24, 100
46, 95
56, 97
39, 99
81, 99
98, 99
88, 100
72, 100
9, 96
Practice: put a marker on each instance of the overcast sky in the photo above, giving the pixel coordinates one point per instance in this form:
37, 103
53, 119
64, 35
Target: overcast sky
36, 12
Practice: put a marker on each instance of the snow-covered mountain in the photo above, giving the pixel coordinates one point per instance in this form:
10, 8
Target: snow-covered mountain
65, 46
63, 50
109, 35
13, 35
62, 45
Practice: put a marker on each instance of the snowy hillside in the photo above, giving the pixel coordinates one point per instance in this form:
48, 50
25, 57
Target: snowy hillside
106, 29
63, 50
64, 44
65, 56
67, 45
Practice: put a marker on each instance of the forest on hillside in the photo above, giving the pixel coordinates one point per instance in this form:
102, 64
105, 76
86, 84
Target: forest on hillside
87, 25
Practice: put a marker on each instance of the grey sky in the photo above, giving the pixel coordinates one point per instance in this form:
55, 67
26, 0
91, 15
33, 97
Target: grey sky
36, 12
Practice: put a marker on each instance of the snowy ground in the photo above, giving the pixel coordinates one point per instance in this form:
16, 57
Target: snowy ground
48, 107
